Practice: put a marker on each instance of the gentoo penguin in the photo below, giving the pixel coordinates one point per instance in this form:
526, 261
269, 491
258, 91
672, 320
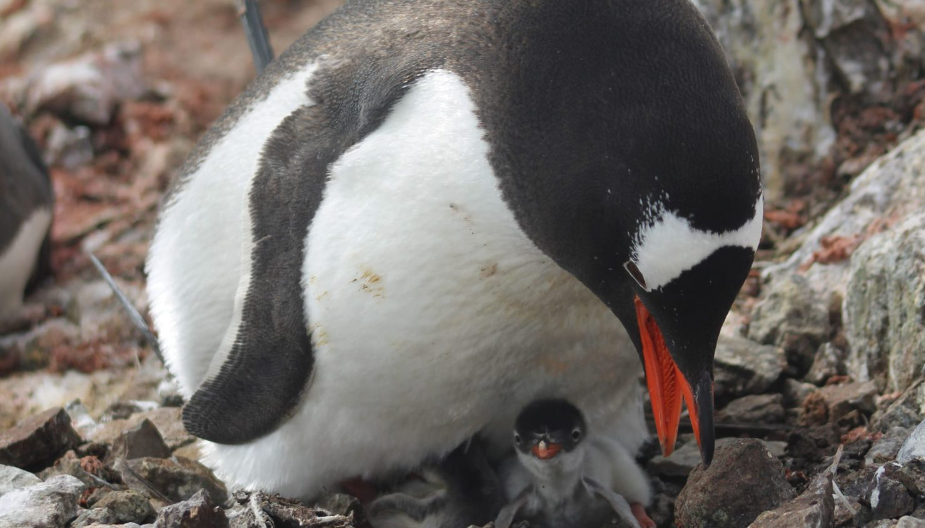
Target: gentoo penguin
566, 475
26, 203
426, 214
461, 491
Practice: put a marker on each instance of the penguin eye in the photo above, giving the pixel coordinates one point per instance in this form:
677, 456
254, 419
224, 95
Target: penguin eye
634, 272
516, 439
576, 435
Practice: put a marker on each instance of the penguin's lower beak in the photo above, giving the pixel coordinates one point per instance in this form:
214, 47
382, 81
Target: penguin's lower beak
545, 451
668, 385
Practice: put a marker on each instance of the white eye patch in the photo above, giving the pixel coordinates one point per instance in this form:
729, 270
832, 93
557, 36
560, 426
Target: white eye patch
671, 245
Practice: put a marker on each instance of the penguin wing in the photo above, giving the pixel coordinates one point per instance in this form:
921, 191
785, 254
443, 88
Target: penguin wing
268, 368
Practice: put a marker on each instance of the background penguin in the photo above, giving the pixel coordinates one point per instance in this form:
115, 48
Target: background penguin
461, 491
565, 475
26, 208
426, 214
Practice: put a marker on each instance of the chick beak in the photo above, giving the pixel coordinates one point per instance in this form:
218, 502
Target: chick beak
545, 451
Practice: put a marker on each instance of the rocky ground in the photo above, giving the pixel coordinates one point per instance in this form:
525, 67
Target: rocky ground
818, 373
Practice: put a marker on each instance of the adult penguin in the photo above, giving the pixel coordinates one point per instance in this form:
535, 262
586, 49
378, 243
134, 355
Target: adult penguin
426, 214
26, 208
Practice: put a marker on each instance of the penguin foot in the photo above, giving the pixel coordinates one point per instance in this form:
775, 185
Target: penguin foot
361, 489
639, 511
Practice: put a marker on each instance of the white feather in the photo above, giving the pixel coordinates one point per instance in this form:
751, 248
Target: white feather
669, 245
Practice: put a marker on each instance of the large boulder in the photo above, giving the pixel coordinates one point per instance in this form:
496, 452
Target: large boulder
885, 306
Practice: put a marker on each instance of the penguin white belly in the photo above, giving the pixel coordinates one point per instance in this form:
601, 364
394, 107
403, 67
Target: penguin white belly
18, 260
432, 315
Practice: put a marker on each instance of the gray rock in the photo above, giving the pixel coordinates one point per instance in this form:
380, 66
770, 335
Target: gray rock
885, 448
893, 188
679, 464
794, 317
910, 522
914, 446
176, 478
89, 87
168, 420
829, 361
12, 478
782, 75
118, 507
814, 508
743, 481
197, 512
883, 310
754, 409
795, 392
842, 399
50, 504
742, 366
143, 440
38, 439
887, 495
905, 412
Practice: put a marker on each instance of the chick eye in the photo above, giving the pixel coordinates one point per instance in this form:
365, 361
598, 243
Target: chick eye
576, 435
516, 439
637, 275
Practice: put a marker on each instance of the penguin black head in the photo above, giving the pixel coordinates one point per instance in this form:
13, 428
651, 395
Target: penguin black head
547, 427
634, 167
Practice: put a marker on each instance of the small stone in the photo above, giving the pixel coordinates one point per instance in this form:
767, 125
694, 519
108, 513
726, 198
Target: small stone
914, 446
143, 440
168, 420
815, 507
176, 478
845, 513
679, 464
829, 361
50, 504
795, 392
125, 409
910, 522
842, 399
794, 317
12, 478
905, 412
197, 512
742, 366
885, 448
887, 495
127, 506
743, 481
38, 440
754, 409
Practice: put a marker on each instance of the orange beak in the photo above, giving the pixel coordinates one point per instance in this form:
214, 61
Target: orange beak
666, 383
545, 451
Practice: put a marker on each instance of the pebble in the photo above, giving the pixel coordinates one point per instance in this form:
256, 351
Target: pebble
47, 505
199, 511
743, 481
38, 439
176, 478
143, 440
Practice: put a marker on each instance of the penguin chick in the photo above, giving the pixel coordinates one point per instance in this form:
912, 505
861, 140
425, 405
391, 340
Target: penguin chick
26, 203
563, 477
463, 490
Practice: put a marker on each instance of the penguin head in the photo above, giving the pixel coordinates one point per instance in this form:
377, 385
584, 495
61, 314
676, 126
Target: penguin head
548, 434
